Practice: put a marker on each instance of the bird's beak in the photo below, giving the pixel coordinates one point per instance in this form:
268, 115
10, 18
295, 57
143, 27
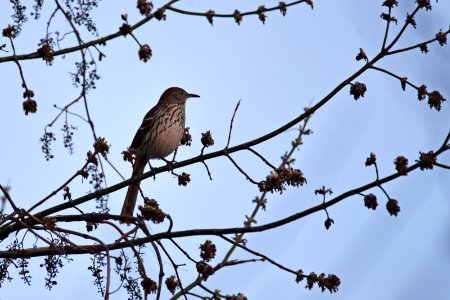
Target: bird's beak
193, 96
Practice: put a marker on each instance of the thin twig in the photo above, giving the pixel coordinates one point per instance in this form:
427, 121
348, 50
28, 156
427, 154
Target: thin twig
8, 197
175, 267
384, 192
415, 46
64, 109
441, 165
387, 29
71, 113
58, 189
37, 235
50, 20
16, 61
161, 270
207, 170
211, 292
402, 79
216, 268
114, 168
262, 158
158, 255
445, 144
402, 30
231, 123
258, 254
376, 171
132, 35
183, 251
241, 170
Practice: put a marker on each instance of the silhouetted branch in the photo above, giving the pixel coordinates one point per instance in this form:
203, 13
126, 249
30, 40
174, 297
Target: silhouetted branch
231, 123
240, 169
40, 251
254, 12
99, 41
416, 46
264, 257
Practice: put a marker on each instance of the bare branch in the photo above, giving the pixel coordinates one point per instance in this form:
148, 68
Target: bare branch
262, 158
39, 251
264, 257
231, 123
99, 41
388, 22
240, 169
8, 197
254, 12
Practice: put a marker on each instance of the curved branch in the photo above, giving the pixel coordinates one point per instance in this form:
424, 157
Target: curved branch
415, 46
40, 251
254, 12
103, 40
100, 41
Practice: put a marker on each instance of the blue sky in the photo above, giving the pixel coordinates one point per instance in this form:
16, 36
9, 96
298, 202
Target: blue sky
275, 70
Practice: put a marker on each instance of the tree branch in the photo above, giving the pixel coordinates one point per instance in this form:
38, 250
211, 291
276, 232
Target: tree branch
40, 251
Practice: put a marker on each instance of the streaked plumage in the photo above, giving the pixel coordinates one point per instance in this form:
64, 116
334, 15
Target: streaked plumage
158, 136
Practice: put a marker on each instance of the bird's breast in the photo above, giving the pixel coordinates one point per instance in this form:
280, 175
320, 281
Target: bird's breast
165, 135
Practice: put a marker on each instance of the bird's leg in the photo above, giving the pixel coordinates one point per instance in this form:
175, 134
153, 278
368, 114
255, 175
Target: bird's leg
174, 155
151, 168
170, 165
171, 162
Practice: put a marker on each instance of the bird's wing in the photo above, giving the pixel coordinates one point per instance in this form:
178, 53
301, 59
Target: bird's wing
143, 129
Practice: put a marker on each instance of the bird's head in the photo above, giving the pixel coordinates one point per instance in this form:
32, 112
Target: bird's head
176, 95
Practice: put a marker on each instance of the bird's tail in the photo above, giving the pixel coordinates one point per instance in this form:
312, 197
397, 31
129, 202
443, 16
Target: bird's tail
133, 189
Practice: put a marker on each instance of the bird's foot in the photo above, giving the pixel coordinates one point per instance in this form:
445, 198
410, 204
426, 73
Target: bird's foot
152, 170
170, 164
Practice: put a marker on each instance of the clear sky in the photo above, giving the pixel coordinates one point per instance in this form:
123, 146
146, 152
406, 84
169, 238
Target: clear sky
275, 70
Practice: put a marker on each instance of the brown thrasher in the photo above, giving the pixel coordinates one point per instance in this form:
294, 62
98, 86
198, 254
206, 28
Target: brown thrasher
159, 135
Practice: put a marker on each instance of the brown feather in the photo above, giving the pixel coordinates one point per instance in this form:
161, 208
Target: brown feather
158, 136
133, 189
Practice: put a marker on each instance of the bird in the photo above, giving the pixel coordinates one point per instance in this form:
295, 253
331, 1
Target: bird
158, 136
